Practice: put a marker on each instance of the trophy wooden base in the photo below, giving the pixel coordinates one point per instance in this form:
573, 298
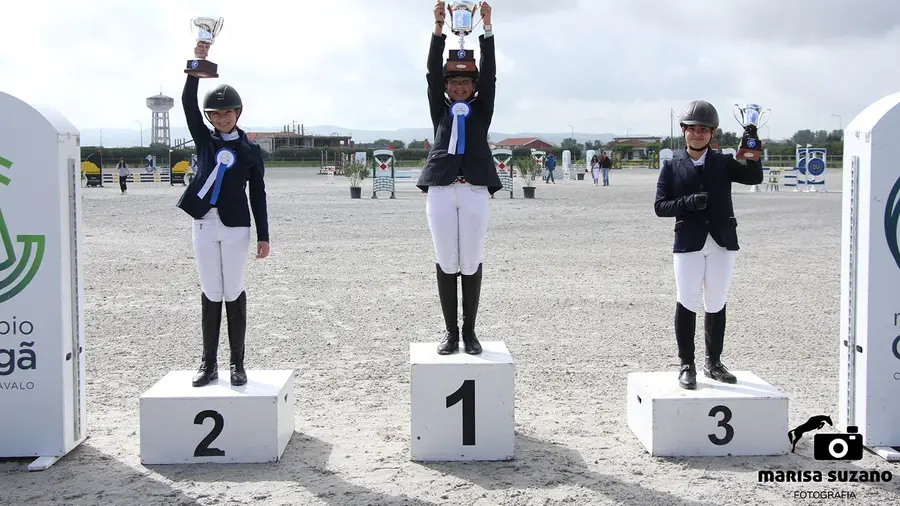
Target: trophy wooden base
748, 154
749, 148
201, 68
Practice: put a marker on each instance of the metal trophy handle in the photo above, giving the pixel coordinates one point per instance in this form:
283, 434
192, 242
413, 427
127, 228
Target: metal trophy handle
767, 114
740, 120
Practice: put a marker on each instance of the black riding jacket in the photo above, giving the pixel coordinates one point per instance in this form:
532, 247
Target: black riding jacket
477, 163
248, 167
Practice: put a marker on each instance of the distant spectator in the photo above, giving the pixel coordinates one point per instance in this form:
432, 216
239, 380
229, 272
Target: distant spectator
605, 165
122, 167
551, 164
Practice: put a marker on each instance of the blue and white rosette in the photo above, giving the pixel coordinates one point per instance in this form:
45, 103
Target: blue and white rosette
225, 159
460, 111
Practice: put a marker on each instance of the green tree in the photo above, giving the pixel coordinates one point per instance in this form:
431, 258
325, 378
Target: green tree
725, 139
569, 143
803, 137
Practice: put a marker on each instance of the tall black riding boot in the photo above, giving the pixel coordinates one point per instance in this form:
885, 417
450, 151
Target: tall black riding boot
449, 306
471, 294
715, 339
211, 318
685, 326
237, 329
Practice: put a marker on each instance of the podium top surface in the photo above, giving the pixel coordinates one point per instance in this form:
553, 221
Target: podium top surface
493, 352
259, 384
664, 385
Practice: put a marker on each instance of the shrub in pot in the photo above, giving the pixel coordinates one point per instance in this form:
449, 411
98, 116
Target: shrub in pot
356, 172
529, 169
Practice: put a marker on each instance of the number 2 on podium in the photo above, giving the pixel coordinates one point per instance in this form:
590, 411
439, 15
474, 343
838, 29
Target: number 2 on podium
466, 394
203, 449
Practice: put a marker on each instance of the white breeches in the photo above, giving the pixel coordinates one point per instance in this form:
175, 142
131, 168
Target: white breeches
710, 268
596, 173
458, 219
221, 255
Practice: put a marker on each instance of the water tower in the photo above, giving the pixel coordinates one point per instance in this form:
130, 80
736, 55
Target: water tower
159, 131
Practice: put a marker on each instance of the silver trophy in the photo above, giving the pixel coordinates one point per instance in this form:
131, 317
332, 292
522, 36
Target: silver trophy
751, 116
462, 19
206, 29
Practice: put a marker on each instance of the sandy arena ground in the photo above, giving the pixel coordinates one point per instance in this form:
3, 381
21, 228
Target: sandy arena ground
577, 282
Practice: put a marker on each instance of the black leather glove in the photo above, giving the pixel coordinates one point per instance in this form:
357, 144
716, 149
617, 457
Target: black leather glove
697, 201
751, 136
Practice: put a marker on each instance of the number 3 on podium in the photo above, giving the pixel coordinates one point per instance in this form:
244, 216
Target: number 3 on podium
466, 394
729, 430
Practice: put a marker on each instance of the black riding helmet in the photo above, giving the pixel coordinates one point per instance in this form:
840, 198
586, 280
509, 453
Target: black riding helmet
450, 74
222, 97
461, 63
700, 112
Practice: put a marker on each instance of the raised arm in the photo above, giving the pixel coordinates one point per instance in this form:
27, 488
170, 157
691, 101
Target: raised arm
435, 68
752, 173
487, 81
746, 171
198, 130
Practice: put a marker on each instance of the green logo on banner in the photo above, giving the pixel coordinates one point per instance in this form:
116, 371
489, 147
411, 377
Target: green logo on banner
17, 272
891, 217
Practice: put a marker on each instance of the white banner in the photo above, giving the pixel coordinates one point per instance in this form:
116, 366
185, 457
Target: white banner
42, 405
869, 341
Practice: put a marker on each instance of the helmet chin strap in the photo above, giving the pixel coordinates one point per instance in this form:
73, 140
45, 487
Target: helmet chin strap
698, 150
688, 144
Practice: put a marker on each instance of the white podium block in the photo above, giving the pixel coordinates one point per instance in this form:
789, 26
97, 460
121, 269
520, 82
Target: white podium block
717, 419
221, 423
462, 405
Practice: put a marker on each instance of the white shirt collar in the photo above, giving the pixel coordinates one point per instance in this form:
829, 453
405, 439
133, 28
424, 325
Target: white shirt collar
702, 159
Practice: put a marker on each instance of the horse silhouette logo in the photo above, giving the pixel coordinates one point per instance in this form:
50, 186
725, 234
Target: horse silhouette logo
814, 423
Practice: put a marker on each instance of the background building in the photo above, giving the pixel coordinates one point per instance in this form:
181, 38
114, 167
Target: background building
298, 139
633, 148
524, 142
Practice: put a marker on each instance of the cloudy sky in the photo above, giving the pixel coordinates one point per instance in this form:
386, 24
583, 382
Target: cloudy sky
596, 65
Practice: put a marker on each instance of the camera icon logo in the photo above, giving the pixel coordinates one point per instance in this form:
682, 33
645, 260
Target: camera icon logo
838, 446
